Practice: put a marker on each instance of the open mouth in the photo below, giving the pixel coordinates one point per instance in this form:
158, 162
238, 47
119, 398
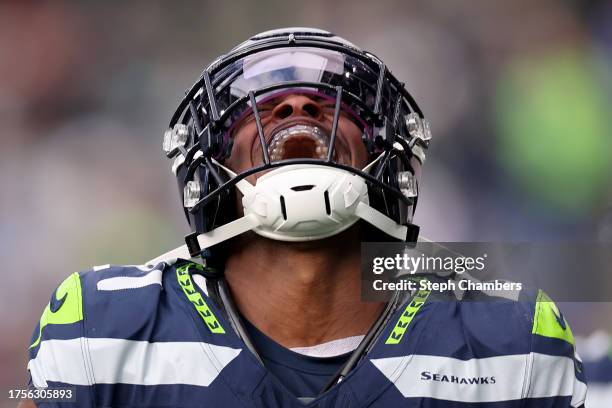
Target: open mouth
299, 141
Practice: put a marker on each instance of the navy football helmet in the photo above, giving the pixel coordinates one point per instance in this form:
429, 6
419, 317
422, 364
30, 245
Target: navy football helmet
199, 140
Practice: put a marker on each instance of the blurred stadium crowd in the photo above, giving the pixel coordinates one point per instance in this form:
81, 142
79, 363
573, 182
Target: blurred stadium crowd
518, 93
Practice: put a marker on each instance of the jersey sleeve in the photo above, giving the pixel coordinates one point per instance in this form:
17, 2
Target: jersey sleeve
58, 349
556, 371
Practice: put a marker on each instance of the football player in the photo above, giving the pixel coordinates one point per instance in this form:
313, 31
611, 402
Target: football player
289, 151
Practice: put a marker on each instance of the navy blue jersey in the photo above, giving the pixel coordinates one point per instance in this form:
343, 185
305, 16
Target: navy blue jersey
303, 375
153, 337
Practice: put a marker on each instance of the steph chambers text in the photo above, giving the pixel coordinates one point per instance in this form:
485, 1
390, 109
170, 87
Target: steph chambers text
449, 285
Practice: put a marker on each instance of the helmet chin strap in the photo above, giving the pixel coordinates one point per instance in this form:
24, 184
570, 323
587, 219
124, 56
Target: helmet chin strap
296, 203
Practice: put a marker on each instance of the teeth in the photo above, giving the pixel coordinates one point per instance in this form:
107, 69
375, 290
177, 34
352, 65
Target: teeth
275, 147
277, 154
321, 152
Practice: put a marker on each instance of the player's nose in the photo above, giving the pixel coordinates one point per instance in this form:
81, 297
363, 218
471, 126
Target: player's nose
297, 105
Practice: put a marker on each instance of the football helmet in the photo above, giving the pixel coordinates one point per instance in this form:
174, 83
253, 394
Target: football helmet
296, 198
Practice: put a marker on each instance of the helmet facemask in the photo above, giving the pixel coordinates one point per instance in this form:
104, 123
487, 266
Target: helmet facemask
352, 84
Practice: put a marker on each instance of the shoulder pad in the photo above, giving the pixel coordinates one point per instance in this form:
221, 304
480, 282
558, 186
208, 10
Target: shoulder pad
119, 277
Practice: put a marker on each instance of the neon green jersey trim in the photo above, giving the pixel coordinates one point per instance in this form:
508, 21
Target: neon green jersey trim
404, 321
70, 305
185, 281
549, 322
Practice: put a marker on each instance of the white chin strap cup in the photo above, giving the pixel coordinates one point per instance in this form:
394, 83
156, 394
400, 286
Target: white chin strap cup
300, 202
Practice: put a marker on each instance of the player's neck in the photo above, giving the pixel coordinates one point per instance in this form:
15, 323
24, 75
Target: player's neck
301, 294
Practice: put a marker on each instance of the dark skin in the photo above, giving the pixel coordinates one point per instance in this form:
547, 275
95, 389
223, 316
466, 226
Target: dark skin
306, 293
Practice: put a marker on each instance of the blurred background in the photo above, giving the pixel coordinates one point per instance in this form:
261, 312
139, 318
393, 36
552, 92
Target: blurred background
518, 93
